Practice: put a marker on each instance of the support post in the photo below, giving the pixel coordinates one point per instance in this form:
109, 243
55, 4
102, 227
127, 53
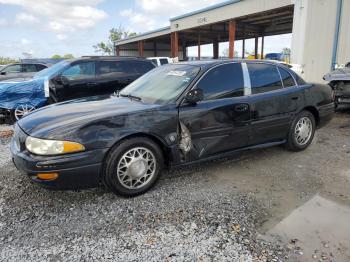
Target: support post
117, 51
216, 48
184, 51
141, 49
174, 38
232, 38
243, 43
155, 48
256, 47
199, 47
262, 45
176, 44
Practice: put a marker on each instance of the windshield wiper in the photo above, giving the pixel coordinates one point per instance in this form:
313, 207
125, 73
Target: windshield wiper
131, 97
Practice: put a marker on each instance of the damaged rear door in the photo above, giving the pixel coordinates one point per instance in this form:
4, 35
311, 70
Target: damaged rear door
220, 122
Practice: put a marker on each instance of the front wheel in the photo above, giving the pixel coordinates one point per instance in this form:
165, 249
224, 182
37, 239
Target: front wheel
133, 167
301, 132
21, 111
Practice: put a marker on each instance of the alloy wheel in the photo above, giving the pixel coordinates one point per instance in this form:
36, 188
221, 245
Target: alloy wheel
303, 131
23, 110
136, 168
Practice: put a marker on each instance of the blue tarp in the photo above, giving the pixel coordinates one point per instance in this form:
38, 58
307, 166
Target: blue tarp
15, 92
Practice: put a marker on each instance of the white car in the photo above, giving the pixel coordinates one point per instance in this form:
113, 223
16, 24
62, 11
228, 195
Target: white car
159, 61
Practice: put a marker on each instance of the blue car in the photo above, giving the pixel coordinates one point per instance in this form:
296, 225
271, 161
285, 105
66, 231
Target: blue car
68, 80
274, 56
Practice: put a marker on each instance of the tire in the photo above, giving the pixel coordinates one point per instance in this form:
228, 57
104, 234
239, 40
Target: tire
126, 170
300, 142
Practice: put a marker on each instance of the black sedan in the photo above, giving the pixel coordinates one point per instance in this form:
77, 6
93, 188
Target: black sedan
174, 115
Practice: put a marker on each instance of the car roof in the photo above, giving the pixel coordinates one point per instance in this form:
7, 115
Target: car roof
109, 58
210, 63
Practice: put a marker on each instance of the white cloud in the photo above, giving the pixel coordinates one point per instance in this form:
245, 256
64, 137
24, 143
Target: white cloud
24, 18
152, 14
25, 41
61, 37
62, 17
138, 20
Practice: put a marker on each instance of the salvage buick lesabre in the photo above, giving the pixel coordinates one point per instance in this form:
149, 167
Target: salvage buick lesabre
174, 115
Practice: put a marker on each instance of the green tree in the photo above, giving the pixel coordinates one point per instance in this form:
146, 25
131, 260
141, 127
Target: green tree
68, 56
115, 34
56, 57
7, 60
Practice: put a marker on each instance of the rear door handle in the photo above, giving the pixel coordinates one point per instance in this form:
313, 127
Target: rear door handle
91, 84
241, 108
295, 97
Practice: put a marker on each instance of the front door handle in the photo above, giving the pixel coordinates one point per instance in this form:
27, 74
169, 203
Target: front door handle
241, 108
91, 84
295, 97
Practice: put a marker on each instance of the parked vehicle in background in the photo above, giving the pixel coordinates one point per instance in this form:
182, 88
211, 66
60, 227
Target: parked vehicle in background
274, 56
19, 70
69, 79
339, 80
174, 115
159, 61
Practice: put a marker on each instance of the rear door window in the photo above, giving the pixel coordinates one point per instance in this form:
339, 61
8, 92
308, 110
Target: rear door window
264, 78
139, 67
29, 68
111, 69
287, 78
223, 81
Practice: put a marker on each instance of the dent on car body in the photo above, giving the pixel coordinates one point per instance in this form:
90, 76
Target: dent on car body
185, 144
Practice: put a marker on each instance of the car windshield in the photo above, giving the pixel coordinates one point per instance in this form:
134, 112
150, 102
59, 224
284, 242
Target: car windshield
163, 84
50, 71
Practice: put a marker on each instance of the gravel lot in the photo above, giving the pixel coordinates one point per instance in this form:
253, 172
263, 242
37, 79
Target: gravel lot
218, 211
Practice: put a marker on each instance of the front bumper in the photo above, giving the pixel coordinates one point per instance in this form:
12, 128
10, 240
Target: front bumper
80, 170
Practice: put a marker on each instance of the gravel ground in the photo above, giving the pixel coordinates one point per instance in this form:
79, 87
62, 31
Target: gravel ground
213, 212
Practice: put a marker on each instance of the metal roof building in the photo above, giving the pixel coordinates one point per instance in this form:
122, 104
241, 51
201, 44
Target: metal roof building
320, 31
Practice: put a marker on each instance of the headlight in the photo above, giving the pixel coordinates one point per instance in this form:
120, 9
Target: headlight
52, 147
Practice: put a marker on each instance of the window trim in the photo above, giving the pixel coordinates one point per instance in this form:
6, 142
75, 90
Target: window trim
205, 73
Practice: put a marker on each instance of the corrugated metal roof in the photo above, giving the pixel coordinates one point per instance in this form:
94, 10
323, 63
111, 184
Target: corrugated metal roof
146, 33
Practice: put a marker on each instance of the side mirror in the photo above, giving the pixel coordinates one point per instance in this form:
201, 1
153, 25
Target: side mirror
194, 96
2, 73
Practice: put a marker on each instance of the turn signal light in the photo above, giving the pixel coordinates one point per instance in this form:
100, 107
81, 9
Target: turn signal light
47, 176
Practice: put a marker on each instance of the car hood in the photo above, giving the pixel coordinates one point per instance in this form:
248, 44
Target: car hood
17, 82
59, 120
15, 77
338, 74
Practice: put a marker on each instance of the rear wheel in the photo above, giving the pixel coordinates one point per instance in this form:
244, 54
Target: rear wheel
301, 132
133, 167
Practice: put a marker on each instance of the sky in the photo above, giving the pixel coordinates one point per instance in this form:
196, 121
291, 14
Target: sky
43, 28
